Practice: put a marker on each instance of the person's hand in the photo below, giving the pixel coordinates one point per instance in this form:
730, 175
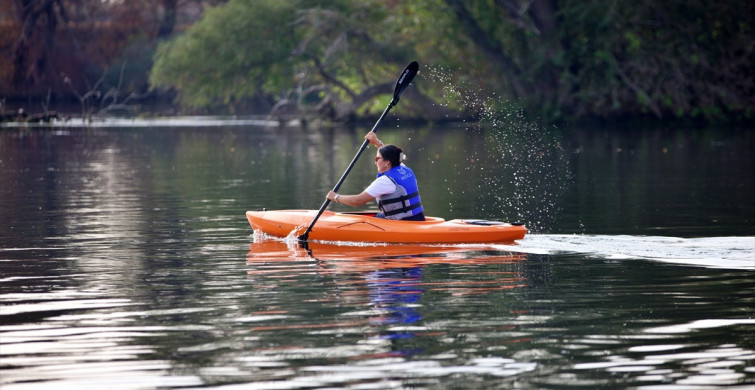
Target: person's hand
331, 196
372, 137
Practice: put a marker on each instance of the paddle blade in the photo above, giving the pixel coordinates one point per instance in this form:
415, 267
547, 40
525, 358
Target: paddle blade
404, 80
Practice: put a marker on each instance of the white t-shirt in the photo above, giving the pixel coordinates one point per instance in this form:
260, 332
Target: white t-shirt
381, 186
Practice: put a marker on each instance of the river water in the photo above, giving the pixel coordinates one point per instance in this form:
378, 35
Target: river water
127, 262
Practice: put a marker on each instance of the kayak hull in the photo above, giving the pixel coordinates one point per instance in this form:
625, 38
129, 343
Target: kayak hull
364, 227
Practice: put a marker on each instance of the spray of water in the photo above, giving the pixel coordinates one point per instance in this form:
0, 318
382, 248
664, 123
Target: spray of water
525, 170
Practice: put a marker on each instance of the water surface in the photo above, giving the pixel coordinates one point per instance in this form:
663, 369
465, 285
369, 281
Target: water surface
127, 262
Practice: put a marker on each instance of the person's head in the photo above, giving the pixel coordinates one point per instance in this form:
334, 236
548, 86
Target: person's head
387, 157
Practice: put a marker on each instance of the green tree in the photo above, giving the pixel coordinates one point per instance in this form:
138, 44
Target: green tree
561, 59
317, 58
239, 49
577, 59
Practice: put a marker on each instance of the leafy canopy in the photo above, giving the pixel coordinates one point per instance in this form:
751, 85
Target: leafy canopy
561, 59
239, 49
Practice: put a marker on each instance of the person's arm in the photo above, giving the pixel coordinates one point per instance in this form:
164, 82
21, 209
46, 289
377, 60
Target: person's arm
351, 200
380, 186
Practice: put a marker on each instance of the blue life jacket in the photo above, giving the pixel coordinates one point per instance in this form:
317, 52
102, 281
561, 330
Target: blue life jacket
404, 202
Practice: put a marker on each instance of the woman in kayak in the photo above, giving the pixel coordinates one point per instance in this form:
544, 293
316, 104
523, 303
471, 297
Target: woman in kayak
395, 187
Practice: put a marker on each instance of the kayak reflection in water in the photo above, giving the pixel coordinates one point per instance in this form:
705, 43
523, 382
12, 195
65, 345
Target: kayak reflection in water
395, 187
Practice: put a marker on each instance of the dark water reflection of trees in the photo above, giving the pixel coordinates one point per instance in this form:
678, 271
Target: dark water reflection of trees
662, 182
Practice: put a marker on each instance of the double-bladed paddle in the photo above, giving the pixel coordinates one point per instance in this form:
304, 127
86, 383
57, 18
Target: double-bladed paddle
403, 82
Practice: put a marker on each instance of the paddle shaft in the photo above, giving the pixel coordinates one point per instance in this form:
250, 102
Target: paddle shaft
361, 150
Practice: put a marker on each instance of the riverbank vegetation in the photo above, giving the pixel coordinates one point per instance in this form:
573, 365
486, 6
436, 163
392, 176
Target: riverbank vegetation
337, 60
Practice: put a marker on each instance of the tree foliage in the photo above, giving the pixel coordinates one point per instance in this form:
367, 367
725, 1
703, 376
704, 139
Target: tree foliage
338, 59
575, 58
561, 59
675, 58
240, 49
324, 58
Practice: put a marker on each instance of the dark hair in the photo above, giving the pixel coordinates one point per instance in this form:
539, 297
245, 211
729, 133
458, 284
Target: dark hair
391, 153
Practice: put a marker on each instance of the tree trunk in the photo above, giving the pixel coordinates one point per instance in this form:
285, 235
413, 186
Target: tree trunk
168, 22
28, 70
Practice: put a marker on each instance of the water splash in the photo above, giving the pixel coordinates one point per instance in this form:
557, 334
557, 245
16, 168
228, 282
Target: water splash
524, 167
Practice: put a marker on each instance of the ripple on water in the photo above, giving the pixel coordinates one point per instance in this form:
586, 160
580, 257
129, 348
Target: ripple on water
83, 358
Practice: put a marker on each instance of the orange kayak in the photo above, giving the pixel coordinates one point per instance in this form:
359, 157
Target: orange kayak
364, 227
